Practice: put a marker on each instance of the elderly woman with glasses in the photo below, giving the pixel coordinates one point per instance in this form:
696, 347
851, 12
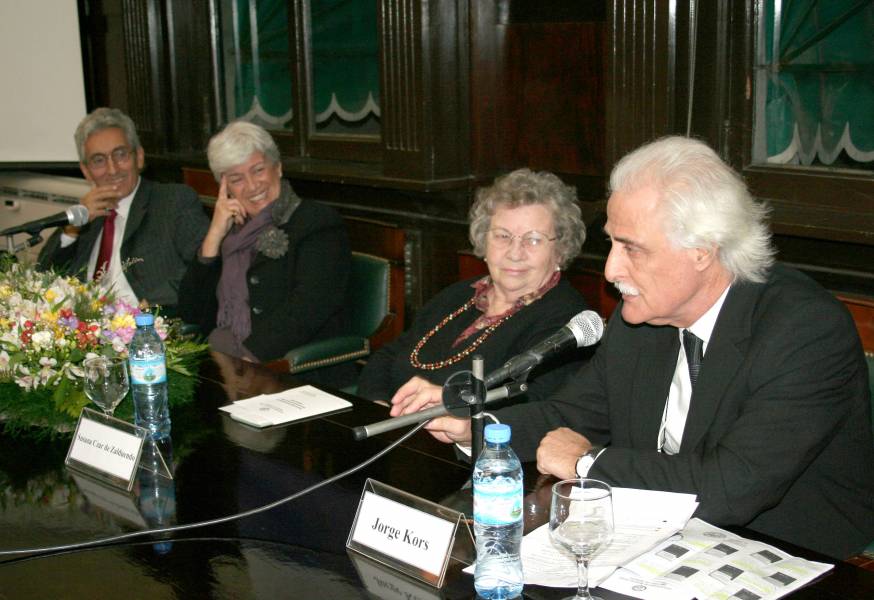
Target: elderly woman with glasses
272, 271
527, 227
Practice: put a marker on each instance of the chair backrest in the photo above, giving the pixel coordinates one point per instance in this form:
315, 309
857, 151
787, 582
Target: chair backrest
369, 293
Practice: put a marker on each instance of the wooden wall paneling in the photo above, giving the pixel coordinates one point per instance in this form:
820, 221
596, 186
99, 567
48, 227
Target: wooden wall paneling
146, 71
862, 310
641, 76
190, 75
488, 95
424, 54
555, 97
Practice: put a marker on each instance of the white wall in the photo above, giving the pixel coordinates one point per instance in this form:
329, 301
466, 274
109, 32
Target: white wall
42, 88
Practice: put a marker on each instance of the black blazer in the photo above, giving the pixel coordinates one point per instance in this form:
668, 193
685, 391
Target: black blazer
389, 368
164, 228
294, 299
778, 436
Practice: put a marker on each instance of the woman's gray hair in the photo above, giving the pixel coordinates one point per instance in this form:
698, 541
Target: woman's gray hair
705, 203
233, 145
524, 187
104, 118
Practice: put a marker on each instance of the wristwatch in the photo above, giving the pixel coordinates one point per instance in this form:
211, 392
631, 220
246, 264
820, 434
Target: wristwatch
585, 462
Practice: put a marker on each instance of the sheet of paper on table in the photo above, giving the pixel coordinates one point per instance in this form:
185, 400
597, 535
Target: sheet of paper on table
284, 407
642, 520
707, 562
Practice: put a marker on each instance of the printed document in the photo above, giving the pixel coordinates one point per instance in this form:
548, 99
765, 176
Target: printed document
284, 407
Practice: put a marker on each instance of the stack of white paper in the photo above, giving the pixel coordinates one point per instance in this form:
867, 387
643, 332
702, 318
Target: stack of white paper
642, 519
707, 562
284, 407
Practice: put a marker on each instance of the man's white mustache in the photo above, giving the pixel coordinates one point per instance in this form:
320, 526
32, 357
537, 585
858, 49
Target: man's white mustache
625, 289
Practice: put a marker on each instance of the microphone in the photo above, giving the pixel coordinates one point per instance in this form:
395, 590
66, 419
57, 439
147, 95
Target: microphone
584, 329
362, 432
76, 215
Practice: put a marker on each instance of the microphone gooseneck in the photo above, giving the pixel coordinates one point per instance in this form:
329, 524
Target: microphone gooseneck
584, 329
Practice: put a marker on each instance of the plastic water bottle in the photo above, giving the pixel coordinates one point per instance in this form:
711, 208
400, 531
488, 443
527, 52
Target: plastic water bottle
148, 378
497, 517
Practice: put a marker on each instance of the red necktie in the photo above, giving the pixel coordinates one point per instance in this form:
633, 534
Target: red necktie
105, 244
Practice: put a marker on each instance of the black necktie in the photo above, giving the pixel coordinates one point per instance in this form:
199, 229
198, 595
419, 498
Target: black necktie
694, 348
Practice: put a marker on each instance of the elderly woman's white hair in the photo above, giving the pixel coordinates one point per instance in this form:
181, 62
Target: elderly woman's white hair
524, 187
234, 144
705, 203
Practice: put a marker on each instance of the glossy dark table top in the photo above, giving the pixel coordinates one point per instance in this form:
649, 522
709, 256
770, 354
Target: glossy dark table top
222, 467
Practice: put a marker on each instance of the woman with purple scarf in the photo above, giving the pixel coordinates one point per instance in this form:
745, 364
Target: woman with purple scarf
272, 271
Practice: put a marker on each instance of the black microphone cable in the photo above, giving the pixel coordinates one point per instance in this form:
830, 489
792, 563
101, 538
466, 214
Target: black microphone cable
51, 550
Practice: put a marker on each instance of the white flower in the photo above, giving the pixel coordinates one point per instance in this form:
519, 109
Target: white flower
4, 360
42, 339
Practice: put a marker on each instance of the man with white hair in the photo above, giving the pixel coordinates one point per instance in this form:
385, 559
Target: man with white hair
140, 235
720, 374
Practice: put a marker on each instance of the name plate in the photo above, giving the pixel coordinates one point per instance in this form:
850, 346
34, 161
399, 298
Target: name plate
106, 448
410, 534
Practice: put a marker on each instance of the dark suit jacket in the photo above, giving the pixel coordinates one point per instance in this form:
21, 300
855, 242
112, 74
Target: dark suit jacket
778, 434
294, 299
164, 228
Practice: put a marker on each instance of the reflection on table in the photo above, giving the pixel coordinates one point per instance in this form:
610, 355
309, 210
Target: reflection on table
222, 467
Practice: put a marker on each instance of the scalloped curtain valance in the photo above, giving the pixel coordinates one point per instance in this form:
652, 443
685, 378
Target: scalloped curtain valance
819, 60
343, 53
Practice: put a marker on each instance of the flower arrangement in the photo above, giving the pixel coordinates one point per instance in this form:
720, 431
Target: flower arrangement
49, 324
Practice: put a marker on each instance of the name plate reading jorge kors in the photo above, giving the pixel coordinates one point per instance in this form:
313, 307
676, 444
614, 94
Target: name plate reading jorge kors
407, 535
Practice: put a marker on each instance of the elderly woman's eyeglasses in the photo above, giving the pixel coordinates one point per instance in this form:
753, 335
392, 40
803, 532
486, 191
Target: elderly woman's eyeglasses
501, 238
119, 156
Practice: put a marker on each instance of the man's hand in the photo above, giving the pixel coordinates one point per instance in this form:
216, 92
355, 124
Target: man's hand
559, 451
418, 394
450, 430
415, 395
99, 200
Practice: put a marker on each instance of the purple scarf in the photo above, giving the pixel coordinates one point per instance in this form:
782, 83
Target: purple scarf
238, 251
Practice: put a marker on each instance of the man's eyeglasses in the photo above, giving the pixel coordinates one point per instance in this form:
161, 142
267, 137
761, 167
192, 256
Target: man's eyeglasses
501, 238
120, 156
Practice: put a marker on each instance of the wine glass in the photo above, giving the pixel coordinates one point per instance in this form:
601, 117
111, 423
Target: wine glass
106, 381
581, 521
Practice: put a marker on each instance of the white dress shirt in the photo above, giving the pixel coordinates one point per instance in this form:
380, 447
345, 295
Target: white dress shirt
115, 278
677, 405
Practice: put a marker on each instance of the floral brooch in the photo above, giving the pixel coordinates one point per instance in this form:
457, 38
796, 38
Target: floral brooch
272, 242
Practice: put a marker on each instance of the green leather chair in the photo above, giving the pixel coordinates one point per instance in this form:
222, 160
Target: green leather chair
370, 281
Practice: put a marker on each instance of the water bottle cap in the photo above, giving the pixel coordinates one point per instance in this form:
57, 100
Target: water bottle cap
144, 319
497, 433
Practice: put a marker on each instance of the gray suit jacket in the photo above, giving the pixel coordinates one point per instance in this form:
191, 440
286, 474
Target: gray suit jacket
164, 228
778, 434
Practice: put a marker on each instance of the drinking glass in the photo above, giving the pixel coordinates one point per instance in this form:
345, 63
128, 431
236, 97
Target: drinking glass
106, 381
581, 521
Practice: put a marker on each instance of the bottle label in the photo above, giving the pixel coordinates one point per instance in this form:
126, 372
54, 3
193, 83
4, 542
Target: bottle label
152, 370
497, 502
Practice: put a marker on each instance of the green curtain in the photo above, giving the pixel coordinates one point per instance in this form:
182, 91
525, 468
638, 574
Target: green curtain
262, 88
344, 58
820, 93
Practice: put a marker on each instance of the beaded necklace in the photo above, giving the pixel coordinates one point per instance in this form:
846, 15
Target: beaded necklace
414, 355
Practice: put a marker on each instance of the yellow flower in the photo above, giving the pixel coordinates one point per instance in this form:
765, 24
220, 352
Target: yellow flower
120, 321
50, 295
5, 291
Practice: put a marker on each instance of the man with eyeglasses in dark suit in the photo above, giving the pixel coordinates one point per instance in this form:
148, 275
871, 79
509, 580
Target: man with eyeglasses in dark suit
140, 234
